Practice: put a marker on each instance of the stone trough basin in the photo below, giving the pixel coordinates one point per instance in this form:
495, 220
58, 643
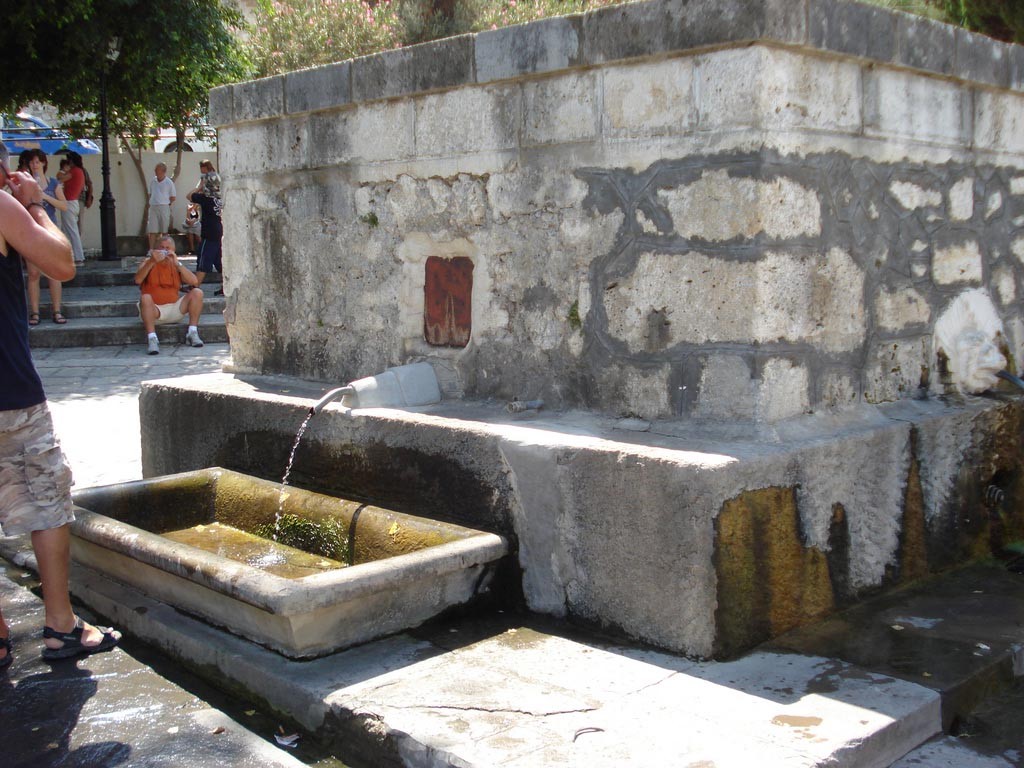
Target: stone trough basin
371, 572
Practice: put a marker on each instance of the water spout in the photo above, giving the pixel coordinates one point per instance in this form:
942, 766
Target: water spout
1007, 376
334, 394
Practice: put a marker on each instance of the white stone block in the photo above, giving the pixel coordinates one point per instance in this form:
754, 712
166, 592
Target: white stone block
907, 105
783, 392
649, 99
1017, 249
895, 310
814, 299
913, 196
727, 390
414, 203
279, 145
993, 205
838, 390
645, 392
526, 192
999, 121
764, 87
895, 368
1005, 283
721, 207
961, 200
561, 109
1017, 185
957, 264
468, 120
374, 132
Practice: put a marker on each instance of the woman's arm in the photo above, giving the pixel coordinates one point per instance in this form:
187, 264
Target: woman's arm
59, 201
25, 226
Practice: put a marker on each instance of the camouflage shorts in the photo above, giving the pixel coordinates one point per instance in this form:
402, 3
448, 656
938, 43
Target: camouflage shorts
35, 479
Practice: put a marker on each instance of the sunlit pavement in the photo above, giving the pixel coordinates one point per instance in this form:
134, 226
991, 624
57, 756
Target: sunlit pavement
94, 397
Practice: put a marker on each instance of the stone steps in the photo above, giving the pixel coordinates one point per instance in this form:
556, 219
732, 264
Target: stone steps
116, 331
100, 304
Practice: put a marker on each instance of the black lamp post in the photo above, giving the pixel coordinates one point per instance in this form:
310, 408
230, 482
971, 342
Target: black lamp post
108, 222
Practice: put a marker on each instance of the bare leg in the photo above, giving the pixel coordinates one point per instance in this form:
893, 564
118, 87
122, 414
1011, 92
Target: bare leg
33, 289
56, 291
149, 312
200, 276
53, 557
193, 304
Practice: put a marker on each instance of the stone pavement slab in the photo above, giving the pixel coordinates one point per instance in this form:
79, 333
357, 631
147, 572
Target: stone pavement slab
526, 695
94, 397
948, 752
108, 709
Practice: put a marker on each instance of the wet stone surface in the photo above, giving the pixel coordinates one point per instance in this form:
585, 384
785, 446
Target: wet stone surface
955, 634
108, 709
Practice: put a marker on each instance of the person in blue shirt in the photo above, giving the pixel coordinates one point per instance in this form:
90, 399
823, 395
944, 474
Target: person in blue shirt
35, 479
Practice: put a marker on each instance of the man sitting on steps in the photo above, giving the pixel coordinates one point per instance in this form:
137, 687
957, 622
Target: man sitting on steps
160, 277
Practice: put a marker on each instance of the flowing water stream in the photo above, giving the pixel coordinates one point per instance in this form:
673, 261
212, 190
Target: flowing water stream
287, 471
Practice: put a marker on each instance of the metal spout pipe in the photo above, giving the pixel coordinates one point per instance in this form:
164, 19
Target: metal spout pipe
1006, 375
334, 394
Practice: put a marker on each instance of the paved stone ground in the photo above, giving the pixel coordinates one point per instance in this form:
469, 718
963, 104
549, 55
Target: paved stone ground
457, 695
94, 398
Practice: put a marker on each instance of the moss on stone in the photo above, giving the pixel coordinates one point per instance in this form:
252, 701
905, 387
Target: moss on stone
768, 580
326, 538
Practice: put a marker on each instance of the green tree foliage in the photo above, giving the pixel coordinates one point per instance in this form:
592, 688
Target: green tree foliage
1001, 19
304, 33
171, 53
292, 34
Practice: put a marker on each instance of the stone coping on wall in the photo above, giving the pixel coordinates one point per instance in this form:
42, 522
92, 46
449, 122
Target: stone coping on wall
624, 32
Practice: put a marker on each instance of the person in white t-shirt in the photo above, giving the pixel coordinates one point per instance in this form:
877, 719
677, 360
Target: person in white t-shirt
162, 195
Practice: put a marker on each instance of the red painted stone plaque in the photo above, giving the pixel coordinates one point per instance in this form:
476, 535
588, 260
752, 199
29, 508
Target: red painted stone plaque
448, 301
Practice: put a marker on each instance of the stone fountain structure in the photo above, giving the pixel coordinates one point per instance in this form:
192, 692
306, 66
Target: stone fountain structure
715, 238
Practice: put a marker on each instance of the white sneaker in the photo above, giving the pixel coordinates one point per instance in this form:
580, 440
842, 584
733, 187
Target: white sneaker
192, 339
154, 346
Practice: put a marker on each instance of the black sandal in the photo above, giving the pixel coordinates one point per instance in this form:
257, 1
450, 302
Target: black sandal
5, 662
73, 641
58, 318
33, 318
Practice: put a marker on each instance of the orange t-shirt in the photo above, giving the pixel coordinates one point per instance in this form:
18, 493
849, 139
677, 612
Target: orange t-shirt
163, 282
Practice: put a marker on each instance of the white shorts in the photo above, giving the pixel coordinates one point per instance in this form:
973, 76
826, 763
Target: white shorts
159, 218
169, 313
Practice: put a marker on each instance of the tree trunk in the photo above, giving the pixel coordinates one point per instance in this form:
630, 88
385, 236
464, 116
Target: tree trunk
136, 156
179, 140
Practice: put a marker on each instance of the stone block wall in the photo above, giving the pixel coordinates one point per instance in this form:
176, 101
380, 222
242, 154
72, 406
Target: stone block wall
723, 209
